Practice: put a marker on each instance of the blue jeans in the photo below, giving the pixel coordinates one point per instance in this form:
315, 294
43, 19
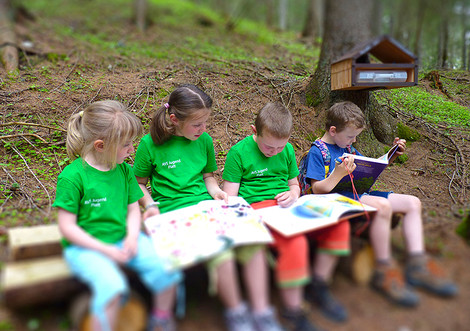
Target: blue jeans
106, 279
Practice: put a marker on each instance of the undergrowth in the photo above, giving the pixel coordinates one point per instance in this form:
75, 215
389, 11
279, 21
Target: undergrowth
428, 106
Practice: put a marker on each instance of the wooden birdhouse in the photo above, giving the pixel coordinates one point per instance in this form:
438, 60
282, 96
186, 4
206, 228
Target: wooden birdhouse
382, 63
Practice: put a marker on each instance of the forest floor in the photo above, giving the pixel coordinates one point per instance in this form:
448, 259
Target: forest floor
47, 93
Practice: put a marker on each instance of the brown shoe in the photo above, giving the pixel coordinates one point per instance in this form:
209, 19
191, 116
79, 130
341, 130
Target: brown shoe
389, 281
424, 272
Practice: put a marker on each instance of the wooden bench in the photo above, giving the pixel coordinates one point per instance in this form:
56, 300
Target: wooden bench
37, 274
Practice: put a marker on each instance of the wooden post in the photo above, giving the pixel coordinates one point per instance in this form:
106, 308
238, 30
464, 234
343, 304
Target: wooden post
131, 317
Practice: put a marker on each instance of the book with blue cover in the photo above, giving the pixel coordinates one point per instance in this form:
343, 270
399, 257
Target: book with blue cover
366, 173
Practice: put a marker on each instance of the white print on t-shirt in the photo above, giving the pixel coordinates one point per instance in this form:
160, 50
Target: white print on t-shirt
95, 202
171, 164
259, 172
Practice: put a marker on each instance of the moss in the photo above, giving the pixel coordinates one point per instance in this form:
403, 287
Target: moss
463, 229
407, 133
312, 100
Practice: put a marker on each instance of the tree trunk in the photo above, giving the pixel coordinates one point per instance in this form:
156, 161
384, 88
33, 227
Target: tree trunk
269, 13
463, 16
314, 22
443, 38
445, 41
376, 19
140, 7
348, 24
399, 29
9, 49
419, 27
282, 14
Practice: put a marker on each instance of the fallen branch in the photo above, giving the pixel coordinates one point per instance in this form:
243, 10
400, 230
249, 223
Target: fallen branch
33, 124
23, 135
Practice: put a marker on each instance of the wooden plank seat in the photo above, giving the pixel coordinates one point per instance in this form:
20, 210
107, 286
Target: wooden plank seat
37, 274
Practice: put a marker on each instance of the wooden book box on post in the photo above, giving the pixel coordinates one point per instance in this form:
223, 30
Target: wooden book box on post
378, 64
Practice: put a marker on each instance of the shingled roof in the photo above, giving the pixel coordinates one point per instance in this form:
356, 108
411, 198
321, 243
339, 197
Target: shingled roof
384, 48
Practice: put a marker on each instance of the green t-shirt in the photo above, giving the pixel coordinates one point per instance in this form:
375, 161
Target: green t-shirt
98, 198
175, 169
260, 177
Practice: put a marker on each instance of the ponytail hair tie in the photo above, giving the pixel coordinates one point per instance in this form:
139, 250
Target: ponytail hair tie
81, 113
166, 105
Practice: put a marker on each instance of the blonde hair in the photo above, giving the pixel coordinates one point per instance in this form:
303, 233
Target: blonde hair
184, 102
345, 113
106, 120
274, 119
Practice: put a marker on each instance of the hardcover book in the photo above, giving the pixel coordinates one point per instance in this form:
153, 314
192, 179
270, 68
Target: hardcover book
366, 173
311, 212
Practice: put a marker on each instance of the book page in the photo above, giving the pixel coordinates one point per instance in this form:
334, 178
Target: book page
311, 212
193, 234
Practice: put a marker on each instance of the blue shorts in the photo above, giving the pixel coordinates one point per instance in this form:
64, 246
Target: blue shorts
106, 280
372, 193
360, 224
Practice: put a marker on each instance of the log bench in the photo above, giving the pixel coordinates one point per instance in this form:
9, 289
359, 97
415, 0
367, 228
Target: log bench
36, 274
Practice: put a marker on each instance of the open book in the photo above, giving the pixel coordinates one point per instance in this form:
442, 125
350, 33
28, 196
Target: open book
311, 212
366, 173
193, 234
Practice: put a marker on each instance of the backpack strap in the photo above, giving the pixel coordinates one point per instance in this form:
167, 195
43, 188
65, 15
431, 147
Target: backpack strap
305, 187
320, 144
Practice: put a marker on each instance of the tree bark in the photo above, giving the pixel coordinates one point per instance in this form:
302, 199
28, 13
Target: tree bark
8, 44
314, 22
463, 16
283, 15
269, 13
376, 19
348, 23
419, 27
141, 7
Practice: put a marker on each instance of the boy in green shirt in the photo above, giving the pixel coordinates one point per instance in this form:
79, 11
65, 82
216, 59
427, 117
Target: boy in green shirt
263, 167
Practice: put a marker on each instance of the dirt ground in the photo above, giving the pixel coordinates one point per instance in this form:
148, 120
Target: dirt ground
239, 91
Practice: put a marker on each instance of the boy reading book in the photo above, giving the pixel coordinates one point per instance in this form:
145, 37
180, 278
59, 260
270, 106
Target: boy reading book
344, 122
367, 169
263, 167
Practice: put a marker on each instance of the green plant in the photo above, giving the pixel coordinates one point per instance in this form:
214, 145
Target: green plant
430, 107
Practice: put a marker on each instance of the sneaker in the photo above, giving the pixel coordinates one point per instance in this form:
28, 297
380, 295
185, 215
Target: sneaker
391, 284
425, 273
297, 321
318, 293
158, 324
266, 321
239, 319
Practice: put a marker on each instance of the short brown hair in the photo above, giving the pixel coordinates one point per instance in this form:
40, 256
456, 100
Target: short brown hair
274, 119
342, 114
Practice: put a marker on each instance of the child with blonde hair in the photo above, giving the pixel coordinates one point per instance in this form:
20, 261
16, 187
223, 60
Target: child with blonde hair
179, 160
100, 219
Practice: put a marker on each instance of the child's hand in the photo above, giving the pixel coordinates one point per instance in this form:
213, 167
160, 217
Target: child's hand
116, 254
285, 199
347, 166
401, 145
221, 195
130, 246
152, 211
